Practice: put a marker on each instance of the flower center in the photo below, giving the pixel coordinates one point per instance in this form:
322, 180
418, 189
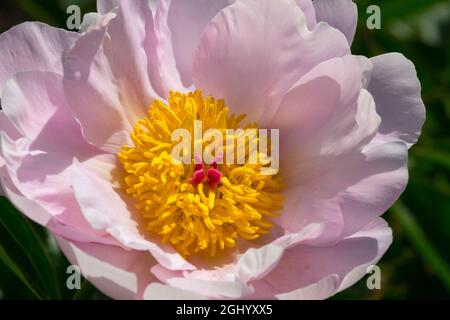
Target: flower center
196, 206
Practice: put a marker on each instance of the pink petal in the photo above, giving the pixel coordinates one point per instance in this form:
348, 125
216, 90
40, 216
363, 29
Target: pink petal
310, 14
304, 208
216, 284
105, 6
105, 210
370, 183
348, 192
97, 72
256, 263
118, 273
126, 49
34, 101
340, 14
180, 25
306, 267
379, 229
396, 90
327, 121
48, 201
37, 164
28, 207
33, 46
11, 131
253, 52
90, 20
57, 224
89, 81
43, 177
325, 128
157, 291
8, 127
307, 234
229, 280
320, 290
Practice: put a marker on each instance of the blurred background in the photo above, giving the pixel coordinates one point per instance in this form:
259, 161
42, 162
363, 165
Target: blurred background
417, 265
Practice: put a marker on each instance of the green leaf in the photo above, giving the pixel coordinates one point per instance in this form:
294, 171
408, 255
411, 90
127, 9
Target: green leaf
423, 246
9, 263
401, 9
25, 239
35, 10
86, 292
441, 158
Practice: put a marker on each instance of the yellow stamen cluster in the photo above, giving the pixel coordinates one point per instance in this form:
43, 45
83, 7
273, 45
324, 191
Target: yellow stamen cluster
196, 218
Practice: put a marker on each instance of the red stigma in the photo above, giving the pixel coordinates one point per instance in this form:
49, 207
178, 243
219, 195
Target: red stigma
199, 176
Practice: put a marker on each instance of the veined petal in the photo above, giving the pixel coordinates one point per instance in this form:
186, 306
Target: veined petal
37, 163
105, 210
275, 50
326, 128
33, 46
118, 273
305, 271
11, 131
126, 51
89, 81
310, 14
340, 14
180, 25
158, 291
396, 90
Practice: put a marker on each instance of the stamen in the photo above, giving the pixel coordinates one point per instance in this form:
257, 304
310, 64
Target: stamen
196, 207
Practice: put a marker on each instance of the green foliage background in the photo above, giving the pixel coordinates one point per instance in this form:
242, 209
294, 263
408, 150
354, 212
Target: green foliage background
417, 266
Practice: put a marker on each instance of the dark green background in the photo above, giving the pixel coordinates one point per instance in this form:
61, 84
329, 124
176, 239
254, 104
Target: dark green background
417, 263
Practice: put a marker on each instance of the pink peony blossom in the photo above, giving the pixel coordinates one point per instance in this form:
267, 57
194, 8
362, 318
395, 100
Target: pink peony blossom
71, 100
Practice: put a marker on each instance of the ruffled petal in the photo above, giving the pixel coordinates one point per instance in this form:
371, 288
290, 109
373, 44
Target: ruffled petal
106, 211
180, 25
396, 90
11, 131
33, 46
305, 271
229, 280
215, 283
349, 192
89, 81
275, 50
8, 127
28, 207
256, 263
326, 128
118, 273
37, 163
340, 14
89, 21
126, 50
369, 183
158, 291
310, 14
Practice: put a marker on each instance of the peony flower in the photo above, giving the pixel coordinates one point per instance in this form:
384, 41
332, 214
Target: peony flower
85, 145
